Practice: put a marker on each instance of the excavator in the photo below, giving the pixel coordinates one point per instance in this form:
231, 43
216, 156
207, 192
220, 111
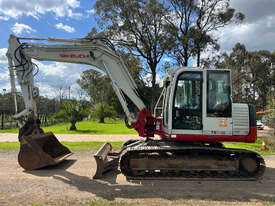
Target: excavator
183, 142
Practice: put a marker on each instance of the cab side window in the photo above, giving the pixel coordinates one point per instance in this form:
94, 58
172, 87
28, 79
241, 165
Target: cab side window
218, 94
187, 107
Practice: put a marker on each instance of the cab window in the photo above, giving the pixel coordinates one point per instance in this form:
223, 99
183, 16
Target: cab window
166, 107
187, 107
218, 94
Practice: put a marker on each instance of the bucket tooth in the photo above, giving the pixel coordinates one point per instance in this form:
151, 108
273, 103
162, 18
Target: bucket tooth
105, 160
41, 150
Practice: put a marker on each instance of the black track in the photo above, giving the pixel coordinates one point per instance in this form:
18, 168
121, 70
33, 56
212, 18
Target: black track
227, 153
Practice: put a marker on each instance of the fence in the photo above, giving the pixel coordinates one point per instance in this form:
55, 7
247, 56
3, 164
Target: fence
6, 119
8, 122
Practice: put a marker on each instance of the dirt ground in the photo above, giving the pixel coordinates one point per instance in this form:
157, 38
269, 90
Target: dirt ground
71, 183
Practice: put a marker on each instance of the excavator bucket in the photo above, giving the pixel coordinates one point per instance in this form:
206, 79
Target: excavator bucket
40, 150
105, 160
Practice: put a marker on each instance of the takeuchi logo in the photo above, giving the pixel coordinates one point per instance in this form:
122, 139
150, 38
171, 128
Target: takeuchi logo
74, 55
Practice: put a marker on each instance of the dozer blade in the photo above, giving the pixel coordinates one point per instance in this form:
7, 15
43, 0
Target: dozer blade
105, 160
40, 150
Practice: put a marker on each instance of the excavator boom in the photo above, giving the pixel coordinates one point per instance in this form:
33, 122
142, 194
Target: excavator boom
39, 149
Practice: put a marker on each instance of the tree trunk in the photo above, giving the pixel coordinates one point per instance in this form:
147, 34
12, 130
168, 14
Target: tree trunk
73, 127
153, 91
186, 57
2, 120
198, 57
101, 120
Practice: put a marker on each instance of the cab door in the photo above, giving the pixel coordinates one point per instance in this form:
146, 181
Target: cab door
187, 103
217, 114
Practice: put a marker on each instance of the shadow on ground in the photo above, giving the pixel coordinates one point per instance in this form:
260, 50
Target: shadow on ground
111, 187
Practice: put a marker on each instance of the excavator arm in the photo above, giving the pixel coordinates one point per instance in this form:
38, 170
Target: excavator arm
39, 149
99, 53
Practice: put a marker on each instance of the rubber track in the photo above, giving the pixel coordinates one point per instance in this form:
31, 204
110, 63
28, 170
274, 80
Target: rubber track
135, 152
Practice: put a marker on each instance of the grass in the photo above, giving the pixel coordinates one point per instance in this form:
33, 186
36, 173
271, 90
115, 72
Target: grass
9, 146
36, 204
85, 127
73, 146
256, 147
90, 146
94, 146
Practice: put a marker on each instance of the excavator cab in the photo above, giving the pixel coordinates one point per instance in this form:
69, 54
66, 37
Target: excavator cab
198, 101
39, 149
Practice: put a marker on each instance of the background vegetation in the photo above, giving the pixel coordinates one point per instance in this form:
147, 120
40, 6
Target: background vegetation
144, 33
111, 126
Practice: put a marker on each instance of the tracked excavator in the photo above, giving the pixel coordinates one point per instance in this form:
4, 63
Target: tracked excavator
183, 142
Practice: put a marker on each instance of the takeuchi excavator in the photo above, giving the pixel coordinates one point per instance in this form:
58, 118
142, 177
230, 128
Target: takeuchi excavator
184, 142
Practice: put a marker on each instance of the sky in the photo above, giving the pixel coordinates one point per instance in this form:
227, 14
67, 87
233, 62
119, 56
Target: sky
75, 18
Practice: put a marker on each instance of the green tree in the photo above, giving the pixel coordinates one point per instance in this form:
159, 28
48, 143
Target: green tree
46, 105
271, 115
192, 23
260, 76
137, 26
71, 112
99, 87
270, 121
180, 30
102, 110
95, 84
237, 61
251, 74
212, 15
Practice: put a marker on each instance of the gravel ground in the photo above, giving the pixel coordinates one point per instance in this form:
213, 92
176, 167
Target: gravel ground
9, 137
71, 183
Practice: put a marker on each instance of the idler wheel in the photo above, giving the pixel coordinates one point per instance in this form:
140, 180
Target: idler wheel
248, 165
